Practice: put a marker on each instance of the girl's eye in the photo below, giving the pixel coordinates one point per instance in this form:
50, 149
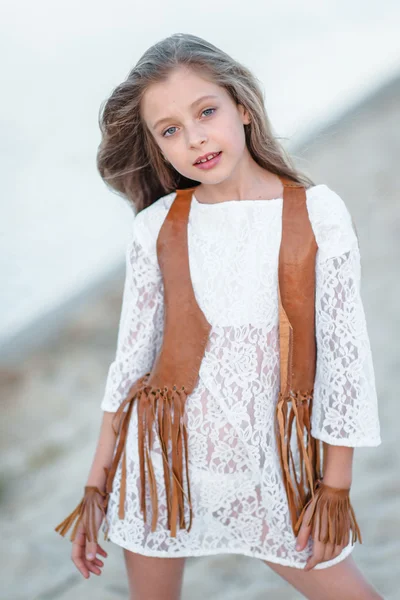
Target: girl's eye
169, 128
206, 109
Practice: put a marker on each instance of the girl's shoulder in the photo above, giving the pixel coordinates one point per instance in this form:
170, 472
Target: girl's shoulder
331, 221
329, 216
147, 223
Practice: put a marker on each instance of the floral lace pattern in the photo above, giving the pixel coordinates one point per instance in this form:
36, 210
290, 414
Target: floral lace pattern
239, 502
346, 411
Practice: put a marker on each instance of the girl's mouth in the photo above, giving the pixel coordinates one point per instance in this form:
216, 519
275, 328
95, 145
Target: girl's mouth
209, 163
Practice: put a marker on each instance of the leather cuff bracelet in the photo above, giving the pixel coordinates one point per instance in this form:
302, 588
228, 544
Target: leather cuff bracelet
85, 513
332, 516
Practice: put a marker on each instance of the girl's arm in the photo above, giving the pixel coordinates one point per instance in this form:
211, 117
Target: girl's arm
104, 452
139, 336
338, 465
142, 315
345, 407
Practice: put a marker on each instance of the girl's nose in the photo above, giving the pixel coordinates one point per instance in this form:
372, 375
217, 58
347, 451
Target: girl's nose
196, 138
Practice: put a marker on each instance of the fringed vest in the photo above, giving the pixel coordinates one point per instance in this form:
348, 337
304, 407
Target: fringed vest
160, 395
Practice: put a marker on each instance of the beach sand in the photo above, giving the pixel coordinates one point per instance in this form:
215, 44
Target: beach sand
51, 415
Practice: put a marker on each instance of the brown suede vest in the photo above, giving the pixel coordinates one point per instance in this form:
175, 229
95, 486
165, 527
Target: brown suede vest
160, 395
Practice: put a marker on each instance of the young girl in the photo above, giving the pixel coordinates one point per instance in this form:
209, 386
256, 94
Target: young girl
190, 117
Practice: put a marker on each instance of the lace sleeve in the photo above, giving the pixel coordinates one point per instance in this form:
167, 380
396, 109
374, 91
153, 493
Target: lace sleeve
141, 320
345, 411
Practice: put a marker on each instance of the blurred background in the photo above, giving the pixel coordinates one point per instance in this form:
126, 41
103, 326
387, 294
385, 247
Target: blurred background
331, 77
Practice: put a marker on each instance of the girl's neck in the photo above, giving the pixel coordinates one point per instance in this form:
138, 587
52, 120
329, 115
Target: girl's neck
263, 186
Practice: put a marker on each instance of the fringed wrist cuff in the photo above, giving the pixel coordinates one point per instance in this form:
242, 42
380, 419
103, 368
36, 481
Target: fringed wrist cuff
332, 516
85, 513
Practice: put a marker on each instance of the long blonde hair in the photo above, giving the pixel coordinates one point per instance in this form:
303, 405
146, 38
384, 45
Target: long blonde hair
128, 158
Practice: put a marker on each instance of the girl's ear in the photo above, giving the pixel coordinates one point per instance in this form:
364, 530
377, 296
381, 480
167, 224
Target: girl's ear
244, 114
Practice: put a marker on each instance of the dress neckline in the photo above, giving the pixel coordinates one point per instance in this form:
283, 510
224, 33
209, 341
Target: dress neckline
262, 200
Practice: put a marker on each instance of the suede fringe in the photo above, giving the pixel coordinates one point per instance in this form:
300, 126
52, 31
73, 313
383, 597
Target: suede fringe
164, 409
332, 506
293, 412
85, 513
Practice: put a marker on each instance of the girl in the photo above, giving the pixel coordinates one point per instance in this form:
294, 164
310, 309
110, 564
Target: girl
189, 116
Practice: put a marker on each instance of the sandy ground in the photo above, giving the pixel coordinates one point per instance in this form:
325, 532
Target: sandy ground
50, 403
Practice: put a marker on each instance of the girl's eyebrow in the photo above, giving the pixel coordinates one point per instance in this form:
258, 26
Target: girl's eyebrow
191, 106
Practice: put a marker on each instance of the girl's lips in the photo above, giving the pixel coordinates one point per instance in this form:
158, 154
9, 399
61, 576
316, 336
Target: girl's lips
209, 164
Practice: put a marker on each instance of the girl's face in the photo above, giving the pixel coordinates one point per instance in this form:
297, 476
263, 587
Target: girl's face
187, 125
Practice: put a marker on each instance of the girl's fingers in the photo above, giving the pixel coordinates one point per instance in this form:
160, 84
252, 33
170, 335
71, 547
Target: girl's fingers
302, 537
84, 553
304, 532
82, 568
101, 551
317, 555
80, 537
322, 553
91, 550
92, 567
329, 552
338, 550
79, 562
78, 553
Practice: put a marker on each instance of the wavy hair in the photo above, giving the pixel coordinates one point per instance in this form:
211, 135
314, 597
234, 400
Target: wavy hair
128, 158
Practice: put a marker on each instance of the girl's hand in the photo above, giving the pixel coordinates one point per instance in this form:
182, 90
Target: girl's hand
84, 553
321, 552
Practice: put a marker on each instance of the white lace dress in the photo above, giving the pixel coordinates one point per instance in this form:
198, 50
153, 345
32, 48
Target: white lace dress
239, 502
